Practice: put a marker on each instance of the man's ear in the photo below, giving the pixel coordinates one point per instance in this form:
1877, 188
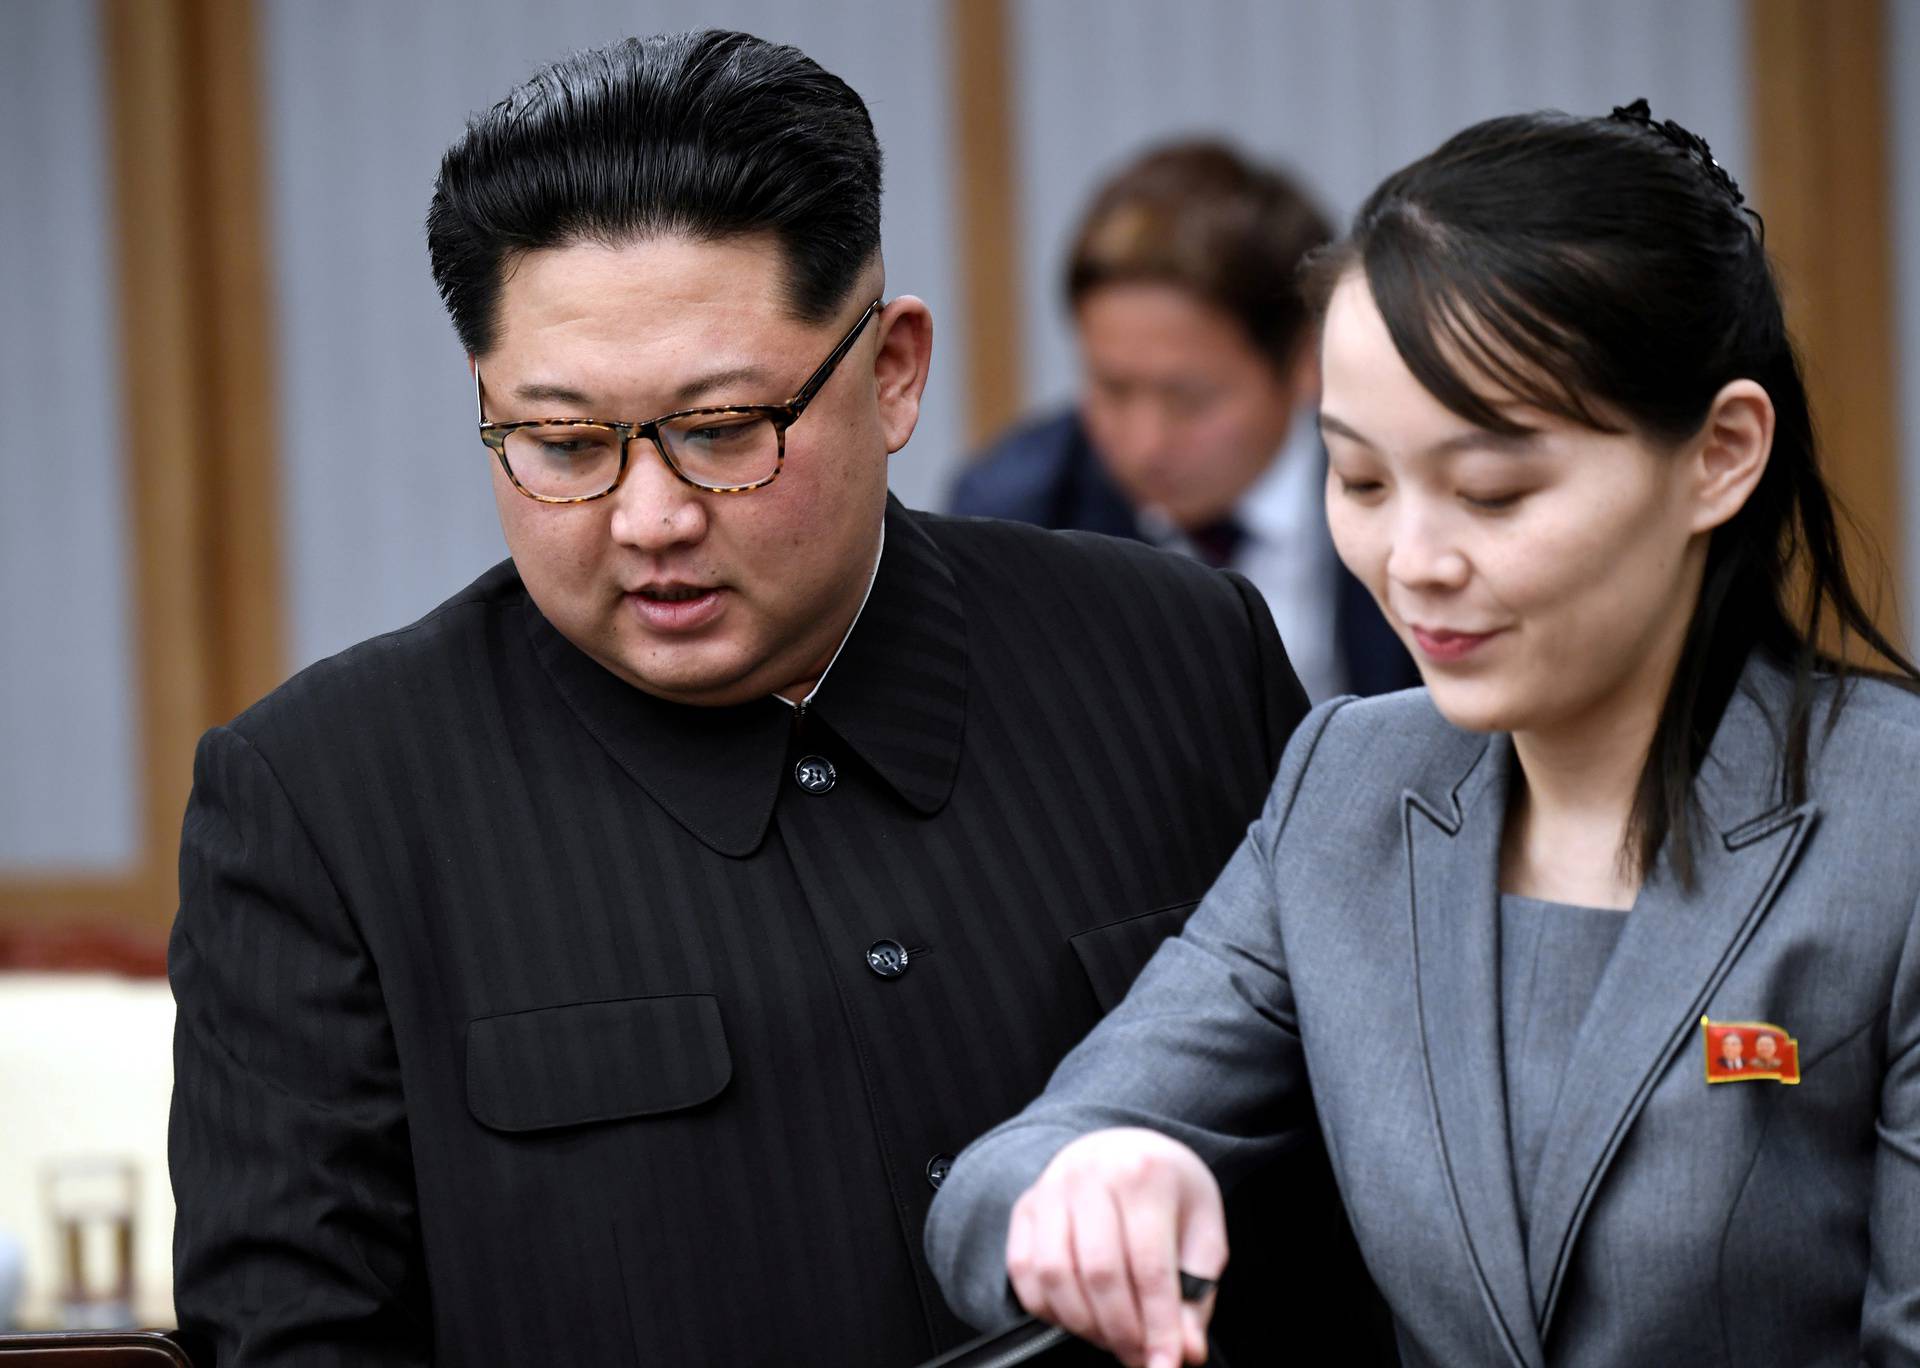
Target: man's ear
1729, 454
900, 366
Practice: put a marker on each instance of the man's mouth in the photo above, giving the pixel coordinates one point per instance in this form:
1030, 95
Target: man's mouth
675, 608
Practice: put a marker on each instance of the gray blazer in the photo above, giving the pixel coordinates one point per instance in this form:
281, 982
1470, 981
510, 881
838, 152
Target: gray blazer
1349, 953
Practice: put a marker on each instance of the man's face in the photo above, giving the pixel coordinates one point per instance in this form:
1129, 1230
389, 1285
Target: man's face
694, 596
1764, 1049
1184, 411
1733, 1047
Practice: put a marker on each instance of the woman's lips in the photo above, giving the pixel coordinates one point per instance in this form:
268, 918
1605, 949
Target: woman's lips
1445, 647
677, 614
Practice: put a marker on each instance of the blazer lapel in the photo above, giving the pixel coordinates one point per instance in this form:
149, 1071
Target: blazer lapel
1673, 952
1453, 853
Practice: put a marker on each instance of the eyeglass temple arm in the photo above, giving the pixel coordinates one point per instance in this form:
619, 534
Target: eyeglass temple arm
819, 377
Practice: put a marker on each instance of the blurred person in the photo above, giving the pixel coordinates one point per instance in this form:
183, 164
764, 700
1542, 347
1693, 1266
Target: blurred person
1194, 427
557, 972
1573, 460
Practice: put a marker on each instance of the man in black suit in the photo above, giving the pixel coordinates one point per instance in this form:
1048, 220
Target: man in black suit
1195, 423
605, 968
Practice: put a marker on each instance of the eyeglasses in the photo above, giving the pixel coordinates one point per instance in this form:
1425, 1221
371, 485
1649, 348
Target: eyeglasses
729, 449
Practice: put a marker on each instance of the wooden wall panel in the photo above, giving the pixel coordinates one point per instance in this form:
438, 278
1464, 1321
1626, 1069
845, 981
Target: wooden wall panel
985, 159
1820, 118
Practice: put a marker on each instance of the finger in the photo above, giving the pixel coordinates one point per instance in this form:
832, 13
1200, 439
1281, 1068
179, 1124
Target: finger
1026, 1288
1056, 1278
1100, 1255
1195, 1316
1203, 1253
1150, 1218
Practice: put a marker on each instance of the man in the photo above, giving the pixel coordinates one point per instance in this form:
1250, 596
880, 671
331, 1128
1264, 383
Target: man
604, 969
1195, 425
1733, 1051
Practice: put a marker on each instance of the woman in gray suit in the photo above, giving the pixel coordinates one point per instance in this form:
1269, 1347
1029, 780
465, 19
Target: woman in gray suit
1484, 931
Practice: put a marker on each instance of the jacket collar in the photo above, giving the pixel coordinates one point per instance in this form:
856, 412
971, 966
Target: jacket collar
1675, 949
896, 697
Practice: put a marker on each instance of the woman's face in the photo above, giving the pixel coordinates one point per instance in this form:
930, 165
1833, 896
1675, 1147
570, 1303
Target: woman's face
1542, 581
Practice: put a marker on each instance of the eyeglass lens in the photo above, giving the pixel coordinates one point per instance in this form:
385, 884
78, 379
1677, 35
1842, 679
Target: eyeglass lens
579, 460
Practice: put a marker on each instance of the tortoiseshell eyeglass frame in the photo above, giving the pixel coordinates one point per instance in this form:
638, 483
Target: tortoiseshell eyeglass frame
782, 416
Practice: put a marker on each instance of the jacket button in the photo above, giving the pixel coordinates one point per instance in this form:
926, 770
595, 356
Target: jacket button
938, 1168
887, 958
814, 773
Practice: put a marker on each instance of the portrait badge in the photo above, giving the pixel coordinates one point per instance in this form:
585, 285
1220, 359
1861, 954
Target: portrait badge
1749, 1051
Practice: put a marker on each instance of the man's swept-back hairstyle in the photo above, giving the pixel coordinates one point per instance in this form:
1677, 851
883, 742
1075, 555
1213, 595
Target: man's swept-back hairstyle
1200, 216
1607, 272
710, 136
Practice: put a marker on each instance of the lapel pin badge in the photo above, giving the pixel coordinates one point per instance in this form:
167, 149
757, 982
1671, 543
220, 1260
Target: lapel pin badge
1749, 1051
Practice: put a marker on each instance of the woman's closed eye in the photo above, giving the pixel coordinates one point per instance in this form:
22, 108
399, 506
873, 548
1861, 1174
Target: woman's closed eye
1493, 503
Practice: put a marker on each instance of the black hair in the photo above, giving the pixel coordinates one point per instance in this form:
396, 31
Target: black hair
1606, 272
709, 135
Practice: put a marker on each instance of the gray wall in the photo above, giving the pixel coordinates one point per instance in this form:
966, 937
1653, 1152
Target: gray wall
1340, 91
69, 776
1903, 151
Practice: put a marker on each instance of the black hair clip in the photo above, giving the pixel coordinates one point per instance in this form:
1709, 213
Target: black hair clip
1687, 141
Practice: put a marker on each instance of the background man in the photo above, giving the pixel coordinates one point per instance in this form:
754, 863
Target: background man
603, 969
1195, 424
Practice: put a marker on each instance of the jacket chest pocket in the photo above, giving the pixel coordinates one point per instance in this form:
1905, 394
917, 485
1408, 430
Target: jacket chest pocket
584, 1062
1113, 955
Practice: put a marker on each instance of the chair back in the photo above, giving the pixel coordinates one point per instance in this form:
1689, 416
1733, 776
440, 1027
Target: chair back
92, 1349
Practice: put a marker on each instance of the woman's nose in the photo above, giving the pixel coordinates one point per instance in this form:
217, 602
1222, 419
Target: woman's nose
1423, 555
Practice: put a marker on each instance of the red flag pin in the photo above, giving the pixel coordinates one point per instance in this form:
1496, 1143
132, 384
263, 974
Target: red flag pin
1749, 1051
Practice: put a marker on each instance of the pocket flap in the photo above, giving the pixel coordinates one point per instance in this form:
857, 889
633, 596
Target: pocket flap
596, 1061
1113, 955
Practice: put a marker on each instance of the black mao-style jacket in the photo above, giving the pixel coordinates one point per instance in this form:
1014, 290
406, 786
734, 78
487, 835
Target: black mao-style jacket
527, 1019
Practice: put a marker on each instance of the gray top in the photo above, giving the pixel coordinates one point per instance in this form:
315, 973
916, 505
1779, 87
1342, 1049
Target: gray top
1551, 958
1357, 932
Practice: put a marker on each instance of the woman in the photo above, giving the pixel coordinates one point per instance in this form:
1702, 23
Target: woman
1489, 934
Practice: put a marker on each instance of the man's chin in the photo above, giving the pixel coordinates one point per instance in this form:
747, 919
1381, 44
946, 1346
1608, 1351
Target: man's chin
701, 674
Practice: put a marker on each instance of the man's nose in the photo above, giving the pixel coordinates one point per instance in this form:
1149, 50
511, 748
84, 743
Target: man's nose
1147, 437
653, 507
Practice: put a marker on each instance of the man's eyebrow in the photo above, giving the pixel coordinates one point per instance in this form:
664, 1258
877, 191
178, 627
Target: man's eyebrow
1470, 439
703, 385
537, 392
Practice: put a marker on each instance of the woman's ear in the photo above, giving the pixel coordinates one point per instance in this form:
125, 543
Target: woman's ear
900, 366
1729, 454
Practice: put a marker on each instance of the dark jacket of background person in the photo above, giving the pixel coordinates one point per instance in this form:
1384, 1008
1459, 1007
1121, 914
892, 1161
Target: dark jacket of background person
1047, 472
526, 1018
1352, 942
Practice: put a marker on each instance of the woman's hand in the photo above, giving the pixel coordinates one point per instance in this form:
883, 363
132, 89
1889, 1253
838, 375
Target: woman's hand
1098, 1243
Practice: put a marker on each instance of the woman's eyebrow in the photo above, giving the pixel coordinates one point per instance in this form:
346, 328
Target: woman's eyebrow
1468, 439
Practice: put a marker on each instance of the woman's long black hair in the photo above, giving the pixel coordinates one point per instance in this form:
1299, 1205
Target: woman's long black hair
1607, 271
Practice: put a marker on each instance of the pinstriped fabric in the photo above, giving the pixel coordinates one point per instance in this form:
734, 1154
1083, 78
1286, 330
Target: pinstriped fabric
527, 1019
